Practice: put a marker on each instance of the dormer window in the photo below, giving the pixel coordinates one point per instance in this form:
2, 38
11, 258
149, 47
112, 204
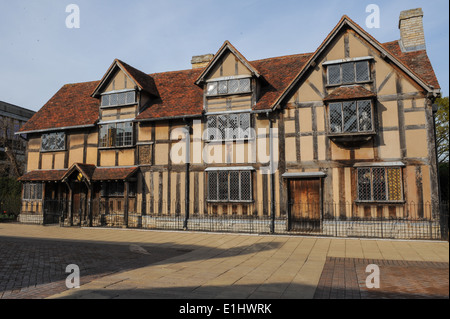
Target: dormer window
119, 98
340, 73
228, 86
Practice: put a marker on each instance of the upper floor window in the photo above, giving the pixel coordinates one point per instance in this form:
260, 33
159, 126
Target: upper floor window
348, 72
351, 117
229, 127
380, 184
116, 135
233, 86
53, 141
116, 99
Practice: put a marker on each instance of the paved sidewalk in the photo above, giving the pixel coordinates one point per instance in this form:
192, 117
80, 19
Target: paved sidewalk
238, 266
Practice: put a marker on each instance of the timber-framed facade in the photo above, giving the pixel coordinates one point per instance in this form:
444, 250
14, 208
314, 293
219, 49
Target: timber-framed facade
344, 131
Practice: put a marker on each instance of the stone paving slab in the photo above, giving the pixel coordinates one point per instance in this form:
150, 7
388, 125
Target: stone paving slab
212, 265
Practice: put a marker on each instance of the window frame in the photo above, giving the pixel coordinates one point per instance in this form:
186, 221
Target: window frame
358, 118
112, 137
340, 64
27, 191
117, 93
218, 83
64, 148
228, 132
387, 181
228, 199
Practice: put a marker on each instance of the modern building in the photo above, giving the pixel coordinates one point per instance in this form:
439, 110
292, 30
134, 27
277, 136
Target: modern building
12, 118
344, 131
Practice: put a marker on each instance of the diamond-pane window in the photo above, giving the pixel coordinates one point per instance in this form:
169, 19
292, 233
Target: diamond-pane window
234, 186
350, 123
211, 89
334, 74
335, 117
53, 141
244, 85
223, 87
365, 116
380, 184
105, 100
351, 117
121, 97
223, 185
362, 71
228, 127
348, 73
233, 86
131, 97
212, 185
113, 99
229, 185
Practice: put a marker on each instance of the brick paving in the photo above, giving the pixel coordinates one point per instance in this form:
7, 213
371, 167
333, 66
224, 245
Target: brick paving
35, 268
345, 278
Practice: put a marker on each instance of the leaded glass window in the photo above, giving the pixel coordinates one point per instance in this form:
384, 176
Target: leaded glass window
380, 184
229, 185
53, 141
229, 127
116, 99
32, 191
348, 72
233, 86
350, 117
116, 135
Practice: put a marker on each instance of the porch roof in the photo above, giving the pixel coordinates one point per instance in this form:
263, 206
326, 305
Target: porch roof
43, 175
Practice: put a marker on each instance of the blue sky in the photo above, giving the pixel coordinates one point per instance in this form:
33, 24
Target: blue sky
39, 54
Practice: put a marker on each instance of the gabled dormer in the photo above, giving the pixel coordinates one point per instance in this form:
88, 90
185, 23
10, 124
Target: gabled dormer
229, 81
229, 84
123, 92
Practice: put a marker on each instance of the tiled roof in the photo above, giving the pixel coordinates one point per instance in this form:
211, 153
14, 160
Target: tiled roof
43, 176
417, 61
71, 106
349, 92
178, 96
145, 81
116, 173
278, 73
90, 172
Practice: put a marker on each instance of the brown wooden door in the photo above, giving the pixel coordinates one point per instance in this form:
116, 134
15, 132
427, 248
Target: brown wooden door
304, 203
78, 203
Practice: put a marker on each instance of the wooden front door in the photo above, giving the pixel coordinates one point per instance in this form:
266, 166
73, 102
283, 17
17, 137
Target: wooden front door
304, 204
79, 202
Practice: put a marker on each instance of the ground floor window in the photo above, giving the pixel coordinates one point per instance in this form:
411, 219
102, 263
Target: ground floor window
117, 189
32, 191
380, 184
230, 185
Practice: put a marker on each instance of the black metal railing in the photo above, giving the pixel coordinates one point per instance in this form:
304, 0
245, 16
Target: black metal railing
365, 220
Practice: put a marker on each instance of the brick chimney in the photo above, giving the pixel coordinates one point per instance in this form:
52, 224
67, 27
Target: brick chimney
200, 61
411, 30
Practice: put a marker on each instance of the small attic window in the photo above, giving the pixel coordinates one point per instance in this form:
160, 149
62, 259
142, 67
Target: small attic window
348, 73
116, 99
232, 86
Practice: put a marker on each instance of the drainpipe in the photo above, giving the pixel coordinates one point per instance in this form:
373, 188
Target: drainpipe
187, 177
272, 176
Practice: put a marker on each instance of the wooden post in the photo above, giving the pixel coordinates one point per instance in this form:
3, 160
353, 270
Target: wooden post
125, 204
